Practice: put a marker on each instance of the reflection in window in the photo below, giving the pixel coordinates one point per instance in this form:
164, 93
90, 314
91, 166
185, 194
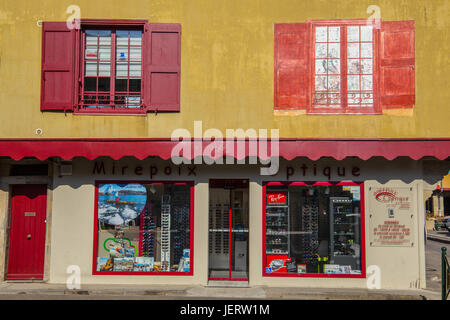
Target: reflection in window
112, 69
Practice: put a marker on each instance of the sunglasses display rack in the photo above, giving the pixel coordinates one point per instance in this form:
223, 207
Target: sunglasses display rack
147, 233
277, 228
180, 224
343, 232
219, 228
165, 233
310, 222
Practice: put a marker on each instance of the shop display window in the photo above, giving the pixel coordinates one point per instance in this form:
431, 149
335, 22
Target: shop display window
313, 229
143, 228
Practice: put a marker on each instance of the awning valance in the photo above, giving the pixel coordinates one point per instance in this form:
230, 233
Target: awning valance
287, 148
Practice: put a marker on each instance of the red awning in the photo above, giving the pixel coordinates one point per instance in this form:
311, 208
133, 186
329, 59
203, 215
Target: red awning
288, 148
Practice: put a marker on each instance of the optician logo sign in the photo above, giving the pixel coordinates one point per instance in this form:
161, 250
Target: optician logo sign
278, 198
385, 195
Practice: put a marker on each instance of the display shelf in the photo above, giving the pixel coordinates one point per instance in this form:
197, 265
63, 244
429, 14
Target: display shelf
277, 225
278, 233
279, 214
343, 221
276, 252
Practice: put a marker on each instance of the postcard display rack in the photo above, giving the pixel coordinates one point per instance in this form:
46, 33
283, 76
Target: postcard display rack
310, 222
277, 226
343, 232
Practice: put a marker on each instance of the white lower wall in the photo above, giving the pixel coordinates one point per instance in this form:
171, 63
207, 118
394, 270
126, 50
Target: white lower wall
73, 218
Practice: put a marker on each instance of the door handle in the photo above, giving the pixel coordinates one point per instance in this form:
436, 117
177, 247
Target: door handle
29, 236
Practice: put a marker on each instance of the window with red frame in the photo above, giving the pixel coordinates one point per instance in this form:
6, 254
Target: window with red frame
111, 66
111, 69
344, 66
313, 230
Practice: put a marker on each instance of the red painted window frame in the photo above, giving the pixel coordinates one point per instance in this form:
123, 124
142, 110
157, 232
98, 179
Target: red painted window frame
315, 275
112, 25
343, 64
143, 273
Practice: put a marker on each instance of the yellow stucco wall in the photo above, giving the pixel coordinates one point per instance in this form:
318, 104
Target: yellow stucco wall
227, 68
446, 182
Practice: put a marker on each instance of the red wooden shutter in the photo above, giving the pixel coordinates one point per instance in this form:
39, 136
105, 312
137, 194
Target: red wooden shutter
291, 66
58, 82
397, 64
162, 62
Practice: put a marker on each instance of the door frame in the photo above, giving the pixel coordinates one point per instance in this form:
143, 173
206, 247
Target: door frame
236, 184
38, 180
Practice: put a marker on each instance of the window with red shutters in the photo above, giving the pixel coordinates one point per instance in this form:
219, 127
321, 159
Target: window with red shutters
116, 66
344, 66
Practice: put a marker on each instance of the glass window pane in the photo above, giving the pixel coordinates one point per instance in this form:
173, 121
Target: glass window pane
91, 53
353, 83
104, 84
366, 82
90, 84
143, 228
353, 50
334, 66
367, 66
105, 53
121, 54
135, 70
90, 69
122, 69
353, 34
121, 85
320, 83
321, 66
334, 34
104, 69
366, 50
334, 83
353, 66
135, 85
321, 34
366, 33
315, 230
135, 53
321, 50
334, 50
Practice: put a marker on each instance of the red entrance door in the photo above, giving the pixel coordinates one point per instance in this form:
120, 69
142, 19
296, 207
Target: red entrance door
27, 232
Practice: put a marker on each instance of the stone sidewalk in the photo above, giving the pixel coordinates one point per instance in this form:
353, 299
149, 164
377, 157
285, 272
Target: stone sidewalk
8, 289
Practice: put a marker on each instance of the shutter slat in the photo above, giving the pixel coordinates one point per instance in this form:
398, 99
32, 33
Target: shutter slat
291, 66
397, 64
162, 66
58, 85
